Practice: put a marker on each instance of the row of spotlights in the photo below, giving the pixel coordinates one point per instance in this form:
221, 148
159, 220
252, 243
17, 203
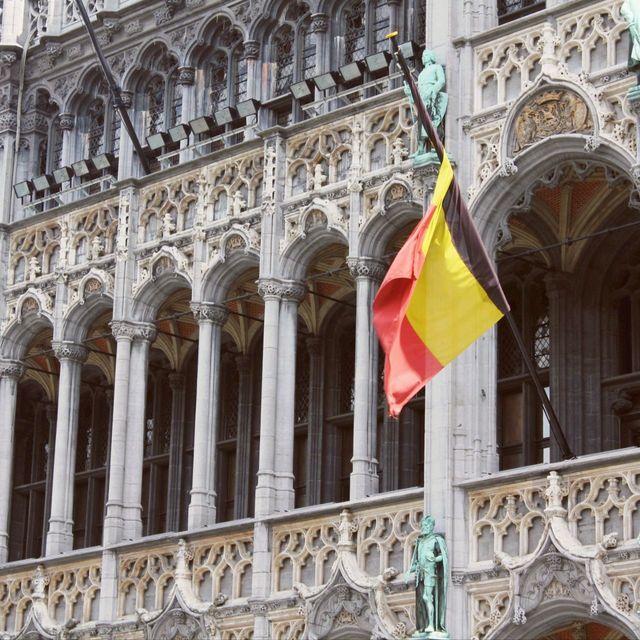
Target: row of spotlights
81, 169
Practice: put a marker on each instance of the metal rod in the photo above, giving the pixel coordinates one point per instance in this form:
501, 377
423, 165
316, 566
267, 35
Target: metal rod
425, 120
115, 89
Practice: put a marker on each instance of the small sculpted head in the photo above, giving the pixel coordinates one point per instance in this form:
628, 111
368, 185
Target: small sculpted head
428, 57
428, 524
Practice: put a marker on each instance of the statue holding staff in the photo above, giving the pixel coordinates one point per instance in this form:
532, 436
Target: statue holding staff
430, 565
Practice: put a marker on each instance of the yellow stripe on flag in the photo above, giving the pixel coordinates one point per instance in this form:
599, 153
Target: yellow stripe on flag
449, 309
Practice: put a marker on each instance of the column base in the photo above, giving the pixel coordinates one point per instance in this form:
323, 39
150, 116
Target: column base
265, 494
59, 537
202, 509
285, 493
364, 479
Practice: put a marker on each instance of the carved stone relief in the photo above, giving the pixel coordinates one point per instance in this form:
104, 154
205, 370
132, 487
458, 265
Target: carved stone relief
550, 113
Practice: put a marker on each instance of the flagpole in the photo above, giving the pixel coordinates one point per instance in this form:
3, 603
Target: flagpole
433, 136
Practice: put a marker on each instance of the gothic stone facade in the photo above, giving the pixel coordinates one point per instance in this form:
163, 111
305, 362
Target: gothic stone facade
193, 441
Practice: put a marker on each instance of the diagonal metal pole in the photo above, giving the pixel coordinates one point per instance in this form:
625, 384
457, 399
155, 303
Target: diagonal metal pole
115, 89
426, 122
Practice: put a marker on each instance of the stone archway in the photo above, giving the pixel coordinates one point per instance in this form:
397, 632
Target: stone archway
585, 630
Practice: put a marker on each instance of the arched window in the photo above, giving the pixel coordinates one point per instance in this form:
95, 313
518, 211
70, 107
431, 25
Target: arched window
294, 51
355, 43
32, 472
219, 72
523, 430
96, 128
220, 205
98, 123
155, 107
92, 453
364, 27
284, 59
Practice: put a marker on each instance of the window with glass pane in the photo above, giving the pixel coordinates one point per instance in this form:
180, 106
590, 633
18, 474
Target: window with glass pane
284, 58
115, 132
512, 9
175, 109
381, 26
308, 54
218, 81
354, 34
154, 95
56, 142
95, 138
240, 77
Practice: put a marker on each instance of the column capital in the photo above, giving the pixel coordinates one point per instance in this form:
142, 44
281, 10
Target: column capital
367, 268
70, 351
11, 369
126, 98
186, 75
208, 311
293, 290
251, 49
319, 23
124, 330
67, 121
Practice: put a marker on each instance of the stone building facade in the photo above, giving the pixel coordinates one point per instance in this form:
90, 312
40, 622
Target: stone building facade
193, 438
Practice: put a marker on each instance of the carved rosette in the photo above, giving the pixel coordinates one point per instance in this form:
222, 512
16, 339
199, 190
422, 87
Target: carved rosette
70, 351
186, 75
207, 312
67, 121
367, 268
11, 369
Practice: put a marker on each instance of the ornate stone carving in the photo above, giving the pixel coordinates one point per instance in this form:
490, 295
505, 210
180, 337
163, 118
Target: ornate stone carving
7, 58
268, 288
251, 49
11, 369
111, 26
550, 113
186, 75
367, 268
319, 23
507, 168
203, 311
121, 329
291, 290
67, 121
70, 351
53, 51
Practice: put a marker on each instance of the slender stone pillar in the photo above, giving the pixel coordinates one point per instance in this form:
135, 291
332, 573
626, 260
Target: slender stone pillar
176, 382
134, 451
292, 294
364, 476
266, 488
202, 508
60, 534
113, 522
10, 373
243, 451
314, 422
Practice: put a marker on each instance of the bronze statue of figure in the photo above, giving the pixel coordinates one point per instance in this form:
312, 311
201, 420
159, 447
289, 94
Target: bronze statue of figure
431, 83
630, 11
430, 564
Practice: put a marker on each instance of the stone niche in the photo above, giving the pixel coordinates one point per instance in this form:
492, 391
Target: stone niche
549, 113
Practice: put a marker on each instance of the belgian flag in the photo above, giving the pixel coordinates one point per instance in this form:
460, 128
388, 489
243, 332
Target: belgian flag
440, 294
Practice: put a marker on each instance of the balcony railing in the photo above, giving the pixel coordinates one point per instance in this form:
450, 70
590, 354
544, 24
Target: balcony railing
511, 9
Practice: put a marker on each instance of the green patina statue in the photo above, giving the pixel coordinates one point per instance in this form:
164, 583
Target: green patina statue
630, 11
430, 564
431, 83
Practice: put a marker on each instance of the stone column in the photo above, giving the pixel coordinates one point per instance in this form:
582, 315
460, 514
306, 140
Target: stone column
251, 55
60, 534
128, 163
176, 382
292, 294
134, 449
113, 522
243, 451
10, 373
186, 84
202, 508
266, 488
364, 476
314, 422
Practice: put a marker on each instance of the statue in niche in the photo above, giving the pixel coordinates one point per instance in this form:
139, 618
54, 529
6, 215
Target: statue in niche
630, 11
431, 83
430, 566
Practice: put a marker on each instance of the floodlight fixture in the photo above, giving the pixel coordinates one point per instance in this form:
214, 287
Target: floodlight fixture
205, 125
248, 108
157, 141
43, 182
326, 81
378, 64
23, 189
302, 91
63, 174
225, 116
180, 132
104, 162
83, 168
411, 50
352, 73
